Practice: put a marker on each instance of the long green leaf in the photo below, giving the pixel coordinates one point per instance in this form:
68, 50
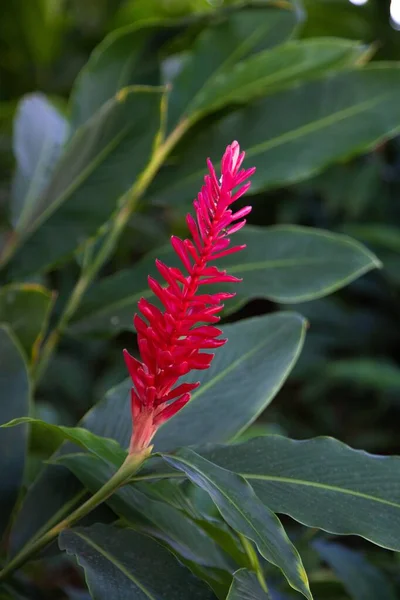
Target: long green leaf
304, 478
40, 132
245, 513
101, 162
25, 308
123, 58
155, 517
105, 448
242, 363
286, 134
245, 586
282, 263
219, 48
244, 377
264, 72
130, 564
14, 402
362, 580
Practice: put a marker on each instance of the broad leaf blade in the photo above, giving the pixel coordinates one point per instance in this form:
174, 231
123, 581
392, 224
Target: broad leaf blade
219, 48
25, 308
263, 73
244, 377
302, 478
120, 60
40, 132
101, 162
14, 402
245, 513
285, 134
105, 448
143, 569
362, 579
245, 586
286, 264
154, 517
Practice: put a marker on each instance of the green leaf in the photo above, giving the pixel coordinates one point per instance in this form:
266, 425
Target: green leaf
143, 569
14, 402
219, 48
40, 132
245, 513
245, 586
283, 263
101, 162
285, 134
122, 59
243, 379
377, 375
263, 73
154, 517
26, 307
104, 448
362, 580
303, 478
381, 235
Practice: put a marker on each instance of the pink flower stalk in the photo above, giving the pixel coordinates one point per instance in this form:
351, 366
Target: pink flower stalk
171, 341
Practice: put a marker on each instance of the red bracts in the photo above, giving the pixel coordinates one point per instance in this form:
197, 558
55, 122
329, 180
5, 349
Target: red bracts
171, 342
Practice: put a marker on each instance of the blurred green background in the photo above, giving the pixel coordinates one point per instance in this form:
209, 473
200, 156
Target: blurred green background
347, 383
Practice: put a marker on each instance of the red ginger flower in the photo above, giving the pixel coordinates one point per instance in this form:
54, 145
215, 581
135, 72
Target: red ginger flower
169, 342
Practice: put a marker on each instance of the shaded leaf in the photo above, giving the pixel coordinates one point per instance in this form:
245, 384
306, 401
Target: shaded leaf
303, 478
105, 448
285, 134
218, 48
14, 402
245, 586
148, 515
243, 379
245, 513
121, 59
101, 162
282, 263
266, 71
40, 132
362, 580
125, 565
25, 307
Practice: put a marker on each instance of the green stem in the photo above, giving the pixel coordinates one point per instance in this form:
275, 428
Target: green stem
121, 220
120, 478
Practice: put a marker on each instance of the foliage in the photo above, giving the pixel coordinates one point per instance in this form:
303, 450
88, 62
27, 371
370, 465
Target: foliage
101, 156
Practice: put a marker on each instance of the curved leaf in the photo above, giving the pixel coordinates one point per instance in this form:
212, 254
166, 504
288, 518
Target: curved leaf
244, 377
100, 163
283, 263
143, 569
39, 135
14, 402
218, 48
120, 60
303, 478
245, 586
105, 448
266, 71
285, 134
26, 307
245, 513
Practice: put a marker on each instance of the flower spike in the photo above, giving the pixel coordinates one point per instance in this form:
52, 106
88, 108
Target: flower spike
171, 342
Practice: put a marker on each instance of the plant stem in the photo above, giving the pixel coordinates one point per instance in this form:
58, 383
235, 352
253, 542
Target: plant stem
121, 477
121, 220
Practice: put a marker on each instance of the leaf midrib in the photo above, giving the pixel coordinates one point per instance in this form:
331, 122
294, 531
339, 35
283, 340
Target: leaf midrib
291, 481
115, 562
